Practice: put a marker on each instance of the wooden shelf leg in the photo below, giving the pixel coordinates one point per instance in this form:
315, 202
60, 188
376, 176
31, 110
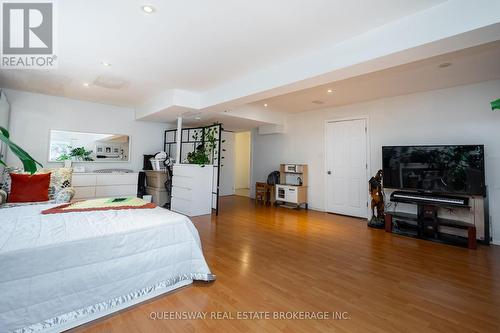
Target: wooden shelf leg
388, 223
471, 233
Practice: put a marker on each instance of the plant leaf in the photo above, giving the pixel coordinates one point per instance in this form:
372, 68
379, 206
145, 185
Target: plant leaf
4, 132
29, 163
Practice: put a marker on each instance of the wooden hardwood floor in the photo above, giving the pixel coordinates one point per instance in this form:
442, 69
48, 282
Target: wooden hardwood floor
275, 259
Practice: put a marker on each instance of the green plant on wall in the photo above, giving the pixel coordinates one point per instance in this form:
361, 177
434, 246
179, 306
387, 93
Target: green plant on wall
29, 163
207, 151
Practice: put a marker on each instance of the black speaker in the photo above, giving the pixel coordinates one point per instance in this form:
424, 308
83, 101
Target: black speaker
141, 184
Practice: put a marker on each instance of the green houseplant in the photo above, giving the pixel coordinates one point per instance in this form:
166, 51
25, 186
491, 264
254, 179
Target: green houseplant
29, 163
76, 154
198, 156
81, 154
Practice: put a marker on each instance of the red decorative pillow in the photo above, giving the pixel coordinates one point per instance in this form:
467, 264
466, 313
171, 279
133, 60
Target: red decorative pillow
29, 188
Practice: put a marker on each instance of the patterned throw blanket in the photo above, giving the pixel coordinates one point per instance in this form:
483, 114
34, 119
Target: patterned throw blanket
101, 204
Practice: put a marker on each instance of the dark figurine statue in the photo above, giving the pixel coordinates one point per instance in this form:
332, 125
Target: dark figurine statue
377, 204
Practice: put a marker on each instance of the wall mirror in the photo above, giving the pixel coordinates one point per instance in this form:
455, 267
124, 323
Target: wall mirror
88, 147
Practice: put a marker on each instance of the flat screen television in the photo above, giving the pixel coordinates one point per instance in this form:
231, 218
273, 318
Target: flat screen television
435, 169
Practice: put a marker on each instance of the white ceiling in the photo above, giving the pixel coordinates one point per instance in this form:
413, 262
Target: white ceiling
481, 63
193, 45
235, 124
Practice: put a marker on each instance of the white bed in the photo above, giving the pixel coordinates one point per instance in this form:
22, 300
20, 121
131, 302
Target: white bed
59, 271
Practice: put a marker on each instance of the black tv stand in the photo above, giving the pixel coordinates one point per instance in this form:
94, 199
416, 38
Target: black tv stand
425, 224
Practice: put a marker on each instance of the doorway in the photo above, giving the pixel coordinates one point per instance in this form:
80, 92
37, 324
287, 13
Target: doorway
347, 167
242, 160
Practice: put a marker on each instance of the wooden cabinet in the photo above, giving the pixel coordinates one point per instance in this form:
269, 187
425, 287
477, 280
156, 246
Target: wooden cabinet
101, 185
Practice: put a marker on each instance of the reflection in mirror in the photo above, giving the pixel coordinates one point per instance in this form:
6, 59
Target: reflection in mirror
88, 147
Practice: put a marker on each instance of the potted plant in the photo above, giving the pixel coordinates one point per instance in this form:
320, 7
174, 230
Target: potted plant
201, 155
29, 163
75, 154
66, 159
198, 156
81, 154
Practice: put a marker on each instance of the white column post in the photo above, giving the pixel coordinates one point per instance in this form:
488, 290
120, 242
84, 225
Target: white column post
178, 140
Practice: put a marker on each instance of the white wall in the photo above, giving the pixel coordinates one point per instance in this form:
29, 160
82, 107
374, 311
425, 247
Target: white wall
226, 184
459, 115
4, 122
242, 148
33, 115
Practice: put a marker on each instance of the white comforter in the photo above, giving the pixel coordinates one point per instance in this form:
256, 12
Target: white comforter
59, 268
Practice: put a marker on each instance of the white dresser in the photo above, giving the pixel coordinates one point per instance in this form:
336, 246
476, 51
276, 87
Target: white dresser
102, 185
192, 189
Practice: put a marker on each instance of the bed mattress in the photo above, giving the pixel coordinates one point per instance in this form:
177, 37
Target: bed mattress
60, 269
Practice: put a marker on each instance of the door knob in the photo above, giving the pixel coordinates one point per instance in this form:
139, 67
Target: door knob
329, 172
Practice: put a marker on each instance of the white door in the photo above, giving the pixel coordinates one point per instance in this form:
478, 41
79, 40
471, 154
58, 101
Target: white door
346, 168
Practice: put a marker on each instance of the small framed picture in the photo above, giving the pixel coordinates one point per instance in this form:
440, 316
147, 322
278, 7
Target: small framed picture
99, 149
108, 150
116, 150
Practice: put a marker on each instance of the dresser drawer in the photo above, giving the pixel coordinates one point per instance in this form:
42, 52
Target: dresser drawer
84, 192
181, 181
117, 179
181, 193
181, 206
185, 170
83, 180
116, 191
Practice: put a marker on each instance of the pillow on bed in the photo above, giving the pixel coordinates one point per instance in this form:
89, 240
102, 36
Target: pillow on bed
29, 188
60, 178
5, 179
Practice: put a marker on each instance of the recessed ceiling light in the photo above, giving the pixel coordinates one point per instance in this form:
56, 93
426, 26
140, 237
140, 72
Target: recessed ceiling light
265, 105
444, 65
148, 9
329, 91
197, 118
104, 63
86, 84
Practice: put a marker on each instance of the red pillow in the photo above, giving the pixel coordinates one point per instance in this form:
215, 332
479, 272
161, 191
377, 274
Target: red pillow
29, 188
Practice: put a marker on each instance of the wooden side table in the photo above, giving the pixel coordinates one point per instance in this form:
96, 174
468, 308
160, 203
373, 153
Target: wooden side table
264, 192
